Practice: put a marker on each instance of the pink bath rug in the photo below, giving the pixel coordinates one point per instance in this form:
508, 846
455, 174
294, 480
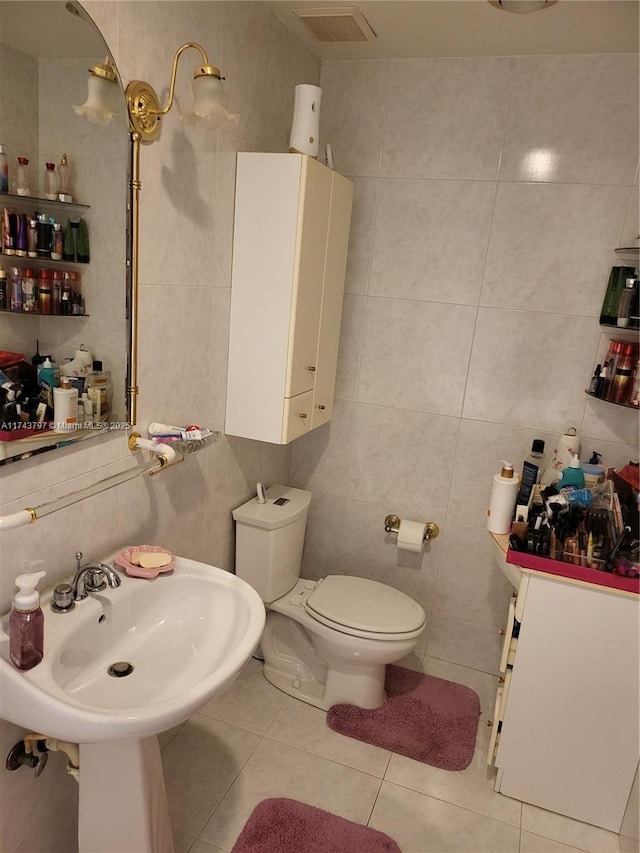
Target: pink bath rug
426, 718
280, 825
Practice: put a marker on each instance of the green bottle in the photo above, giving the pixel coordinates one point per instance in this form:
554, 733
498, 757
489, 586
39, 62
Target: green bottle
615, 286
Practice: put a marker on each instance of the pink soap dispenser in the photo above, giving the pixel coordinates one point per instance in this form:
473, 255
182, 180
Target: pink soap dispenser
26, 622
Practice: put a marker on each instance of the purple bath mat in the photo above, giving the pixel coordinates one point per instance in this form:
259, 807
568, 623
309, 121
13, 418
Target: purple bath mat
286, 826
426, 718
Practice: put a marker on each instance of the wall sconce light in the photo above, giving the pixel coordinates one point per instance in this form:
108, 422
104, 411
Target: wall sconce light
104, 93
144, 107
522, 7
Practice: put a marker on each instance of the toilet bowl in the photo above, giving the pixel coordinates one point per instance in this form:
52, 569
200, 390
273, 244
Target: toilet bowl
327, 641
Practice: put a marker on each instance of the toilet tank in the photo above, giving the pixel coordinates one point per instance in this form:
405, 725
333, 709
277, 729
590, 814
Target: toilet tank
269, 540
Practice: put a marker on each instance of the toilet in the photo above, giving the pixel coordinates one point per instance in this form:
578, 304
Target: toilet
325, 641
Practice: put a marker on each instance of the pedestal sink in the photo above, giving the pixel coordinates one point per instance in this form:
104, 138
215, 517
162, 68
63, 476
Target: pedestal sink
180, 638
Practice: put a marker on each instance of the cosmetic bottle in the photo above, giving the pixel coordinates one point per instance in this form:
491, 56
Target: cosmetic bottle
65, 406
99, 392
64, 180
57, 242
88, 409
23, 186
21, 235
26, 623
82, 245
29, 292
572, 475
15, 289
44, 292
32, 239
43, 227
65, 295
594, 379
56, 291
3, 289
622, 380
47, 382
593, 471
609, 312
628, 308
9, 232
4, 171
502, 502
50, 181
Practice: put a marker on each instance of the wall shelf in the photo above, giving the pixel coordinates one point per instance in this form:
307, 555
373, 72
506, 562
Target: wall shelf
38, 263
612, 402
39, 314
27, 202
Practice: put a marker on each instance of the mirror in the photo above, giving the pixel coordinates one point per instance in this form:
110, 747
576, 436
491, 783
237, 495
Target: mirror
46, 49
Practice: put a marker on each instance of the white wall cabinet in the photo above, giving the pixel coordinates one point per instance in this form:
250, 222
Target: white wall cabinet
565, 732
290, 243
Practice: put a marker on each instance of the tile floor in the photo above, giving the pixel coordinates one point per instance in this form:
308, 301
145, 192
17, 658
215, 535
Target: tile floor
254, 742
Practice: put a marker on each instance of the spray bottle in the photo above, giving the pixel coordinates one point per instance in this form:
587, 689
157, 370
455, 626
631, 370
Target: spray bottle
26, 622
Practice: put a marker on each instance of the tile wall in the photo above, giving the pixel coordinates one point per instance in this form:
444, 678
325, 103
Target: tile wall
186, 232
490, 194
469, 370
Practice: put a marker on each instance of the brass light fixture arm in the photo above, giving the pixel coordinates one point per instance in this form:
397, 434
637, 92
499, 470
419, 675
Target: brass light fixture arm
134, 226
174, 71
143, 103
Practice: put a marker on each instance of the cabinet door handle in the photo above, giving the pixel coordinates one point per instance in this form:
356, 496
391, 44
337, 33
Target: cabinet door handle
321, 407
302, 415
489, 723
311, 368
502, 632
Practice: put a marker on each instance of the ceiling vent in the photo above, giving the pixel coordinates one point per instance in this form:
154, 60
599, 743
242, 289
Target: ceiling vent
337, 23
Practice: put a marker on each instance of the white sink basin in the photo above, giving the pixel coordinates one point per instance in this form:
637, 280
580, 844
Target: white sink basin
187, 634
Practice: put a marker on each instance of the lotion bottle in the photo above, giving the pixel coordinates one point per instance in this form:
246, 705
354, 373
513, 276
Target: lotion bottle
26, 622
503, 500
65, 406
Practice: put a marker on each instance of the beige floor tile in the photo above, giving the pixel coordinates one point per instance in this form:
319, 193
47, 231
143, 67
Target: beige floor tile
530, 843
276, 770
469, 788
422, 824
182, 841
305, 727
204, 847
199, 764
250, 702
568, 831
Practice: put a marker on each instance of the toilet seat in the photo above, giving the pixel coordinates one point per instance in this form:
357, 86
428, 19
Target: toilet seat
364, 608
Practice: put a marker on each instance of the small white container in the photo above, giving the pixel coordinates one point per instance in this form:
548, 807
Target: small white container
65, 407
503, 500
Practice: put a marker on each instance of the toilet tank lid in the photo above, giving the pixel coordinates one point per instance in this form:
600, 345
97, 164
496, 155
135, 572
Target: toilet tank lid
284, 505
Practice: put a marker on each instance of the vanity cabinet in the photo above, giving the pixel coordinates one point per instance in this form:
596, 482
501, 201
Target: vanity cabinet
565, 730
291, 236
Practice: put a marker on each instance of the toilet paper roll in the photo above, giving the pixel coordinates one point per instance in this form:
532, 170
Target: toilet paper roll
411, 536
568, 445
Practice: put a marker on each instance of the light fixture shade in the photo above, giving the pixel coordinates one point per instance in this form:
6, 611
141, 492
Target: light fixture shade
522, 7
103, 101
208, 102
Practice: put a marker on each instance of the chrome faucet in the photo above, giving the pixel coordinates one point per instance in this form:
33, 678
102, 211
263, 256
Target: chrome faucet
92, 578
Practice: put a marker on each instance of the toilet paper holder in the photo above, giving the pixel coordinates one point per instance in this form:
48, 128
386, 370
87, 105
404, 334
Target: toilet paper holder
392, 525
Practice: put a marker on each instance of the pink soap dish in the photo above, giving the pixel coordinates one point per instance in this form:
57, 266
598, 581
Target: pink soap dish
124, 560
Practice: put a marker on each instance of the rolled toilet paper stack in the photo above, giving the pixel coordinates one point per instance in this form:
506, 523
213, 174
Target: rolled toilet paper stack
411, 536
